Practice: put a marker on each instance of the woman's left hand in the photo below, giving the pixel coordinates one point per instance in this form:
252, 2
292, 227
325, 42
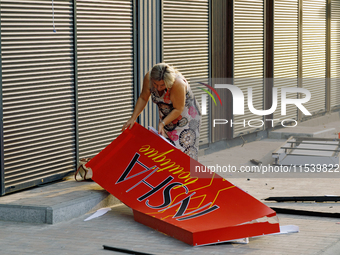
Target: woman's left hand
161, 129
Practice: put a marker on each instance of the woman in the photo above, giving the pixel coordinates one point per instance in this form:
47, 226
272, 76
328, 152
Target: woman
179, 112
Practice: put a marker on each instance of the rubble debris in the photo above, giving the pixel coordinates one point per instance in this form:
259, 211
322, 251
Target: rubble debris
255, 161
124, 250
305, 213
318, 199
308, 151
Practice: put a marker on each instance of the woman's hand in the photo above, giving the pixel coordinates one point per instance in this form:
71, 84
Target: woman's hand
161, 129
129, 124
140, 104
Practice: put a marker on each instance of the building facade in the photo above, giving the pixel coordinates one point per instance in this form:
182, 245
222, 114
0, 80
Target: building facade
71, 71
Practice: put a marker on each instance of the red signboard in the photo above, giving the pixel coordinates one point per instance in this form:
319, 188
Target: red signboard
153, 178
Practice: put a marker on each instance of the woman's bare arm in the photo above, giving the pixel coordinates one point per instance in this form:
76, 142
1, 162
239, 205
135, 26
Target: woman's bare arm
177, 97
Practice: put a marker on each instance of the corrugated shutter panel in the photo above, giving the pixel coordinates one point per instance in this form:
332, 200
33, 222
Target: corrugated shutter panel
105, 71
149, 52
314, 53
38, 94
285, 51
248, 59
186, 45
335, 51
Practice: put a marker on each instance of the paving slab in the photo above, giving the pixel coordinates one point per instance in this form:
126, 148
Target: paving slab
54, 202
118, 229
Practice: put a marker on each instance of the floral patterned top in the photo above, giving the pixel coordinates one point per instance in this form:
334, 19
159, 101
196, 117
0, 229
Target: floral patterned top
182, 132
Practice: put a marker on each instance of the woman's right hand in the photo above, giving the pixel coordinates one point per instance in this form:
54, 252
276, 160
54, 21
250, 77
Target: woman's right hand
140, 104
129, 124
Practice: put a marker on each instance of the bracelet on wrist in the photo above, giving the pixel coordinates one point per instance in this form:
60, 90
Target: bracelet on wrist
163, 123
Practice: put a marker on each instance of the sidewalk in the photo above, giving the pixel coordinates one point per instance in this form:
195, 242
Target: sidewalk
318, 235
117, 228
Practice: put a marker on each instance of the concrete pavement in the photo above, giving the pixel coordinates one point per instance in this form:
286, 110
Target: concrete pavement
318, 235
118, 229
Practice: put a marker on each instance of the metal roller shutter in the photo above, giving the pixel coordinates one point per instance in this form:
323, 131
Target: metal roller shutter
314, 53
186, 45
105, 71
37, 90
335, 51
286, 51
149, 52
248, 60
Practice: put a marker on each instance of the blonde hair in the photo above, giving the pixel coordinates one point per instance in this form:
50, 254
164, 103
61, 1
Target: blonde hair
165, 72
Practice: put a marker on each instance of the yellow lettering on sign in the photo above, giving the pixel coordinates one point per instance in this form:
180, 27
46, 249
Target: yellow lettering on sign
167, 164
